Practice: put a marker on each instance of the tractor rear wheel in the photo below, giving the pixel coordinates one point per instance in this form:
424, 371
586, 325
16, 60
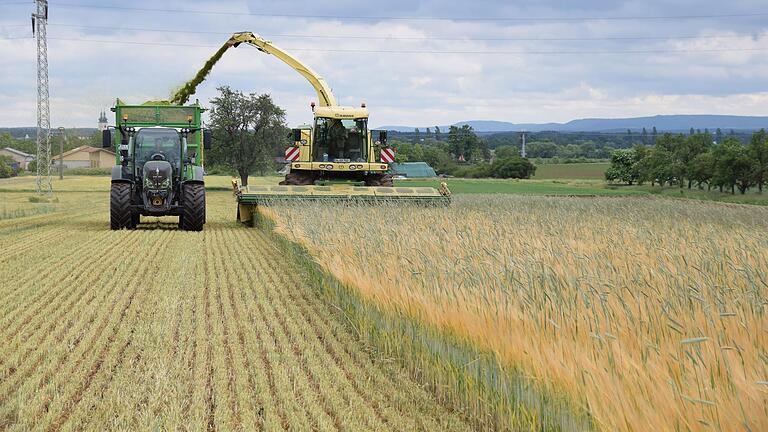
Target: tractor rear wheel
120, 207
193, 210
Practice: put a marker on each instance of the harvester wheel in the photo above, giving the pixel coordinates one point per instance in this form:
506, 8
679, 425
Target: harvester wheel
298, 178
120, 207
193, 212
379, 180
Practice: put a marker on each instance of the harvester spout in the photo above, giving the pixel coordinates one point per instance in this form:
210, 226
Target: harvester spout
182, 95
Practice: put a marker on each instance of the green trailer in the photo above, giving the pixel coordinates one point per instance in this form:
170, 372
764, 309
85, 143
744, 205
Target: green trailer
160, 154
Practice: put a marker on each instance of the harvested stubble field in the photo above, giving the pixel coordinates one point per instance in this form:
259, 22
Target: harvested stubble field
631, 313
158, 329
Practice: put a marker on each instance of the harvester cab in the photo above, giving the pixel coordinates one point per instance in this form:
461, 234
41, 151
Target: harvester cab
159, 169
338, 148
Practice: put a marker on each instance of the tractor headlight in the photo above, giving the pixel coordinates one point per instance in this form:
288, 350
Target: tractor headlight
157, 185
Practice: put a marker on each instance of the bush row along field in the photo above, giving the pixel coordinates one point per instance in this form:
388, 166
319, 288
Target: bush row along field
158, 329
644, 313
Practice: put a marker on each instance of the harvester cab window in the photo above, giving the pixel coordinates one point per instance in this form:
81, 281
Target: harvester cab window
340, 140
160, 143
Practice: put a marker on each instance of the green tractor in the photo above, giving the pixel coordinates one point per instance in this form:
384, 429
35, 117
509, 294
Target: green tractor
159, 164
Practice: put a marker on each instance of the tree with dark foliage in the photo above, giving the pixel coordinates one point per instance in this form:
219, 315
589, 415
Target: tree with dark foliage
249, 131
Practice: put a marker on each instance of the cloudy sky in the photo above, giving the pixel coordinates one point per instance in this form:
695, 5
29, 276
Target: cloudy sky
413, 62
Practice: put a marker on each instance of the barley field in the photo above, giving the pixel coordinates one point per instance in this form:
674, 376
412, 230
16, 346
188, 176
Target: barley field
500, 312
158, 329
641, 313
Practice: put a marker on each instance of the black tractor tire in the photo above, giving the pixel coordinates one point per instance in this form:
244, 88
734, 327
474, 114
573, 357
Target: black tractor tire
193, 209
385, 180
298, 178
136, 219
120, 206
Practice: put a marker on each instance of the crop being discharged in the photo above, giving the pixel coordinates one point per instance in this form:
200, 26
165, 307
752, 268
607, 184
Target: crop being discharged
646, 313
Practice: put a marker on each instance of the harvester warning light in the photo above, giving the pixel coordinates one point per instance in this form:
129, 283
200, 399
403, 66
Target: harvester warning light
292, 154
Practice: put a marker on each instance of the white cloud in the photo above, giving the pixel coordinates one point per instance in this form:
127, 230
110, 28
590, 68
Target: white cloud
525, 85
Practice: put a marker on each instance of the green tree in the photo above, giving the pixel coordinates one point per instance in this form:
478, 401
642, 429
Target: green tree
623, 167
6, 140
758, 151
702, 168
406, 152
506, 152
639, 169
541, 149
663, 165
687, 151
462, 141
249, 131
512, 167
6, 167
733, 166
439, 159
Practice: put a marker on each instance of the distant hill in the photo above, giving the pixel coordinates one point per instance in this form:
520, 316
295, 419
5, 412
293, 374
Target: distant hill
663, 123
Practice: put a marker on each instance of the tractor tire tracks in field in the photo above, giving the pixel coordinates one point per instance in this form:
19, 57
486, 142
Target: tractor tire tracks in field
163, 329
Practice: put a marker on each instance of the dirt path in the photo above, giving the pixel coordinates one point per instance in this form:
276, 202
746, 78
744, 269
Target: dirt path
162, 329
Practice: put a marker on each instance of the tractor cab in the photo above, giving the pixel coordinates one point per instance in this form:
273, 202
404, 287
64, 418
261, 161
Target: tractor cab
341, 140
158, 144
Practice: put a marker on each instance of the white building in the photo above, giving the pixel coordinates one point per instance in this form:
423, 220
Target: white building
103, 123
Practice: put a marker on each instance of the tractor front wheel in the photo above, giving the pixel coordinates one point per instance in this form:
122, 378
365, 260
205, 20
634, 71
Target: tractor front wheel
193, 212
120, 207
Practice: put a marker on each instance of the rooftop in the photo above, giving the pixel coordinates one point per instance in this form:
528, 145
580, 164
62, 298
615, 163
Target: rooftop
18, 152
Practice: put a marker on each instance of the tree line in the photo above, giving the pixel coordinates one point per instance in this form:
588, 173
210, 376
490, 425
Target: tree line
698, 159
462, 153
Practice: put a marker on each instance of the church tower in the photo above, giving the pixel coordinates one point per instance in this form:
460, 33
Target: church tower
103, 123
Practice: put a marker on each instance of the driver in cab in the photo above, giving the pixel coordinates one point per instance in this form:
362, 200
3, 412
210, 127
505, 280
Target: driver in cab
338, 140
157, 149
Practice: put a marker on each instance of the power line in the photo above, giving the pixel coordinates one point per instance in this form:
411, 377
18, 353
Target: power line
520, 52
425, 18
414, 38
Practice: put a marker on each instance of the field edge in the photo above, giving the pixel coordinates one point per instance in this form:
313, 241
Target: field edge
487, 393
